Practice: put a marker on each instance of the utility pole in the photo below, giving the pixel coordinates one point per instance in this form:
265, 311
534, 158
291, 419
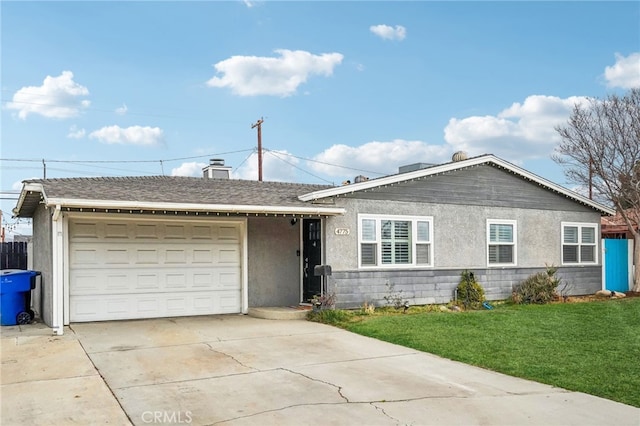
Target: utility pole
258, 124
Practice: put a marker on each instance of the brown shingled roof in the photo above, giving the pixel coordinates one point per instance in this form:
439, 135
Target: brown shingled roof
176, 189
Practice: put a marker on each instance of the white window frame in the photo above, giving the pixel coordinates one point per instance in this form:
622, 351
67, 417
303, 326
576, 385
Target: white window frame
378, 218
514, 243
579, 244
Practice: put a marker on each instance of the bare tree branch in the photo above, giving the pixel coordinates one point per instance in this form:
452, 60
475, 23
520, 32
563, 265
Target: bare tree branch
600, 149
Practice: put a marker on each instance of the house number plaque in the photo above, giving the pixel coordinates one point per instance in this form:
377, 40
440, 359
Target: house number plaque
342, 231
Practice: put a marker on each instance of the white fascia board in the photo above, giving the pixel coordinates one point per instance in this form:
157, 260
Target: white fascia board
27, 187
222, 208
443, 168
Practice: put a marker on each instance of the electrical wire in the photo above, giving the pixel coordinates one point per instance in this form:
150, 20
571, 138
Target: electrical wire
275, 154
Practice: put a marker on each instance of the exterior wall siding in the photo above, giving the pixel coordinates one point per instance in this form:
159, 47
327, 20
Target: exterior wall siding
42, 298
274, 264
459, 232
421, 287
485, 186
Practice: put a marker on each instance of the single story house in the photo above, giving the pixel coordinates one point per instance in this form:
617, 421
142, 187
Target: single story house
141, 247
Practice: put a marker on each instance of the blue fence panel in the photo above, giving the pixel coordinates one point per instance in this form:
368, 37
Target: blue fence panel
616, 254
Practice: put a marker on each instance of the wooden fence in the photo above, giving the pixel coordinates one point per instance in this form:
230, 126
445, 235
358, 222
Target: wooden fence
13, 255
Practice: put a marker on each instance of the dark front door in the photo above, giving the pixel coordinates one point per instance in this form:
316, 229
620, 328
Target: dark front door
311, 256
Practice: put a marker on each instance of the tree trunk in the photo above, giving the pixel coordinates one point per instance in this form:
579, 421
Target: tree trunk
636, 261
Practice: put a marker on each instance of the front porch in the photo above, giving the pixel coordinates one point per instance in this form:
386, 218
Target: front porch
280, 313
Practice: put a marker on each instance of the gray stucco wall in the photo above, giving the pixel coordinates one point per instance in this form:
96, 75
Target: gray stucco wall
459, 232
273, 264
42, 261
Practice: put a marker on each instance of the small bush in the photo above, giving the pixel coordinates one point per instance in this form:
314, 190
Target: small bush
367, 309
538, 289
394, 298
470, 292
325, 301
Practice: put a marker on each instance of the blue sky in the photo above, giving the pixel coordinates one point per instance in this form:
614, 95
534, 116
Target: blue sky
148, 88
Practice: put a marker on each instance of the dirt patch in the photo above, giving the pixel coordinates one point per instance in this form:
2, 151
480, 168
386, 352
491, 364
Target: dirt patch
593, 297
581, 299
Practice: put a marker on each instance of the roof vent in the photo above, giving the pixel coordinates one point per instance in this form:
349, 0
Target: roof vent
459, 156
413, 167
216, 169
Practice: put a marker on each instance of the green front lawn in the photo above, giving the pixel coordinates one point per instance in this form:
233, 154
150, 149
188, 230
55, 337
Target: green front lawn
591, 347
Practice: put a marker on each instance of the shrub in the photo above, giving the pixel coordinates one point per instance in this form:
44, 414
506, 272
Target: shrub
394, 298
539, 288
469, 292
325, 301
330, 316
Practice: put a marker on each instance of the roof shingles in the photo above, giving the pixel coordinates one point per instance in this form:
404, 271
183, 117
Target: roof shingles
177, 189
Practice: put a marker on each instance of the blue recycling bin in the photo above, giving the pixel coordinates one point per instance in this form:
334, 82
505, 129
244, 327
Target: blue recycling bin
15, 296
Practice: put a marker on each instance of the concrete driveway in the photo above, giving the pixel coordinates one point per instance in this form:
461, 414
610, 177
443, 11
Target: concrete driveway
238, 370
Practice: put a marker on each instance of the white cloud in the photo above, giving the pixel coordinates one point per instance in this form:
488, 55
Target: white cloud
193, 169
122, 110
134, 135
381, 157
277, 166
276, 76
17, 185
75, 133
625, 73
58, 97
522, 131
387, 32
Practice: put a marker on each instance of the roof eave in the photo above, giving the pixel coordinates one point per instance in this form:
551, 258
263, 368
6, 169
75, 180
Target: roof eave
190, 207
28, 189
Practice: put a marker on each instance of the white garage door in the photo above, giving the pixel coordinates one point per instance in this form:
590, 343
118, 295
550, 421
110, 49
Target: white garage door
133, 268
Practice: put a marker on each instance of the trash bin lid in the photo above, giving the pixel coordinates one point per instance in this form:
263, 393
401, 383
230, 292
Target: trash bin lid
10, 272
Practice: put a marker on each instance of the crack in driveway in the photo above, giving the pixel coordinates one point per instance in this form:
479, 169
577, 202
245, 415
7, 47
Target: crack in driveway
232, 358
338, 388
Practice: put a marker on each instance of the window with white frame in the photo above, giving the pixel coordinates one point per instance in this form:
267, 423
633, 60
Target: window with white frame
579, 243
395, 241
501, 242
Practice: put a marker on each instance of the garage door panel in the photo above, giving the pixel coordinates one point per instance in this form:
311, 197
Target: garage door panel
127, 229
83, 255
106, 281
153, 305
121, 269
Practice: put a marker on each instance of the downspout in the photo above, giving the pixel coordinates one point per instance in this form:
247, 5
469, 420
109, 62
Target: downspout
245, 268
57, 312
324, 288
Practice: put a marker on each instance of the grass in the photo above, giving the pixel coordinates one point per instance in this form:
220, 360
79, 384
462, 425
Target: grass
590, 347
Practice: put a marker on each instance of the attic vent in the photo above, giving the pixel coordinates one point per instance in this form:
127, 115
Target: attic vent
414, 167
216, 169
459, 156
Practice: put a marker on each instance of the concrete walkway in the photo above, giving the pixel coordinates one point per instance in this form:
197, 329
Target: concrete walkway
238, 370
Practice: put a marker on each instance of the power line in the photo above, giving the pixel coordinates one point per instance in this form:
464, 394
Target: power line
333, 165
166, 160
273, 153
